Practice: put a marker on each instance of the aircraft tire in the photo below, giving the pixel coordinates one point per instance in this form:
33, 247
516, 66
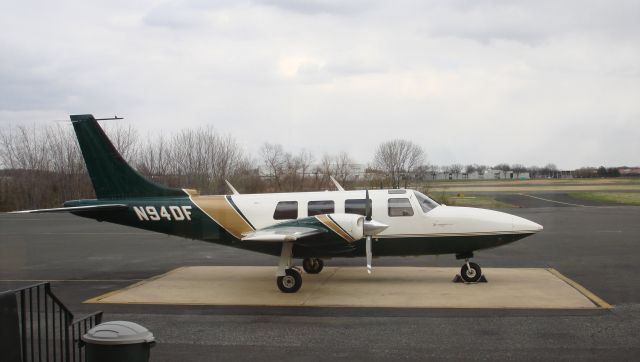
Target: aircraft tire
291, 282
471, 275
312, 265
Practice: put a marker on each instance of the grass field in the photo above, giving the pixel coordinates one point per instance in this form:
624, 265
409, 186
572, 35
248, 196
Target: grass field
625, 198
624, 191
541, 182
568, 185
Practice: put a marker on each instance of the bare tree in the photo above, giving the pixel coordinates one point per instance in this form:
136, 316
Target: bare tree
398, 158
456, 169
518, 169
343, 167
549, 170
124, 138
502, 167
305, 160
326, 169
534, 171
468, 169
153, 158
273, 159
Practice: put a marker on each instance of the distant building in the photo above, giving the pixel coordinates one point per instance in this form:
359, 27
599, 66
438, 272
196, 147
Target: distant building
629, 171
489, 174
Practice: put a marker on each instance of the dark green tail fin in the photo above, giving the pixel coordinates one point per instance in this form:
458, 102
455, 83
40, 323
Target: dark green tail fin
110, 174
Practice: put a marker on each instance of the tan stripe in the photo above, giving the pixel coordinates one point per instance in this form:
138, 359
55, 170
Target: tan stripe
220, 210
326, 220
191, 192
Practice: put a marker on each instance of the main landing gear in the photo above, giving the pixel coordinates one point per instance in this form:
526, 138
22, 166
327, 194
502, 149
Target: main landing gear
312, 265
290, 282
288, 277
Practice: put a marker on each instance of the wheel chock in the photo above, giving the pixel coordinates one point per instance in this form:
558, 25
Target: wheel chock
458, 279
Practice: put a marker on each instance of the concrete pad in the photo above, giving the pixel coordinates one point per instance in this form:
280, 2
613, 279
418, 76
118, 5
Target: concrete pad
393, 287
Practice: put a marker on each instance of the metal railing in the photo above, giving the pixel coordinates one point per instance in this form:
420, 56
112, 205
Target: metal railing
48, 330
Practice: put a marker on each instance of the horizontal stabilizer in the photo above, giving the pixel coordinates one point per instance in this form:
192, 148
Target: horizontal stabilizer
105, 207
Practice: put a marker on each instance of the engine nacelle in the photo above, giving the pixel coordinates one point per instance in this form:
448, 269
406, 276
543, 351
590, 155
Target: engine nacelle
351, 224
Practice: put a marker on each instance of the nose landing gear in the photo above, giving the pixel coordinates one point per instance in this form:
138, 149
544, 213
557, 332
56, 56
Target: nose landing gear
470, 272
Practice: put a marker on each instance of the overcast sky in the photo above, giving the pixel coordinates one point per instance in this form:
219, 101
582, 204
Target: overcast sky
470, 81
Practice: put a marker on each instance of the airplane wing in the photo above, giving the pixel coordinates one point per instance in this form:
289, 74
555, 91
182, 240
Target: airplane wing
104, 207
333, 233
282, 233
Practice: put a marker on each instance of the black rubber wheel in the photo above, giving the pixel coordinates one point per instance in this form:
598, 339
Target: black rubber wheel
291, 282
312, 265
471, 275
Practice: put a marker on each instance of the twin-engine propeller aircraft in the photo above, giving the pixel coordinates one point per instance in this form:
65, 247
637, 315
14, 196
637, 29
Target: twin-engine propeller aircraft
312, 226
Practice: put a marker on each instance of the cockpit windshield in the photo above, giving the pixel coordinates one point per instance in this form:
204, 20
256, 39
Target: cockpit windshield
425, 202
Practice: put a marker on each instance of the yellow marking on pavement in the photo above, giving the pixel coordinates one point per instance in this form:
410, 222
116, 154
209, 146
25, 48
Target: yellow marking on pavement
99, 298
71, 280
594, 298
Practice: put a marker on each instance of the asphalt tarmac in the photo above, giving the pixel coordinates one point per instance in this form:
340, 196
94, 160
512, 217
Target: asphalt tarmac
597, 246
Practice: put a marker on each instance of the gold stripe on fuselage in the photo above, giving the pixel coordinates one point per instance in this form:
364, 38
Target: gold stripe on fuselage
220, 210
328, 222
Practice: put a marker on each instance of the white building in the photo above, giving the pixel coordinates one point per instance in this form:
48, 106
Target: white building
489, 174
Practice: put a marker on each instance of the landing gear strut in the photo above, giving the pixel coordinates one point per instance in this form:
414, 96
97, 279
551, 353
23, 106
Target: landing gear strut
288, 278
312, 265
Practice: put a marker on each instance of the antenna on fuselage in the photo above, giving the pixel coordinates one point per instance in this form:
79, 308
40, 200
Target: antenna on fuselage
338, 186
233, 189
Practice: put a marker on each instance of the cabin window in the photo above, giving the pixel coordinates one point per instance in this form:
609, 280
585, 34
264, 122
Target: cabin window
400, 207
355, 206
286, 210
320, 207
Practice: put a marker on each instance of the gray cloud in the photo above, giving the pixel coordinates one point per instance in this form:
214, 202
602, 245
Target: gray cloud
313, 7
472, 82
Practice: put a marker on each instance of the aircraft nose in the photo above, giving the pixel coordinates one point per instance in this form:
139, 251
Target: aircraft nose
522, 224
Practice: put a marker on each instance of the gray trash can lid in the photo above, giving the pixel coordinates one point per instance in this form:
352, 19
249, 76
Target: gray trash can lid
118, 332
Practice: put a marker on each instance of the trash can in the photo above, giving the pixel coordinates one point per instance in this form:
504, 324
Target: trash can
118, 341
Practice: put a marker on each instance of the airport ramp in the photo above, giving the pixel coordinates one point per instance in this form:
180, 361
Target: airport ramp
388, 287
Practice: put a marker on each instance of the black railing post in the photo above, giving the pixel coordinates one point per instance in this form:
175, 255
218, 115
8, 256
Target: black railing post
66, 338
66, 332
23, 325
46, 328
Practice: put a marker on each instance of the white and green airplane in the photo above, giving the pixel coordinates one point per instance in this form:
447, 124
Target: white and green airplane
312, 226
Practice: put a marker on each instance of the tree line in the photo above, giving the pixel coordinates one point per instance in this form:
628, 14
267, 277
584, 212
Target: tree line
42, 166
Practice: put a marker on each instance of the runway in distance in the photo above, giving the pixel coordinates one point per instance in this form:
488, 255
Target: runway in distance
312, 226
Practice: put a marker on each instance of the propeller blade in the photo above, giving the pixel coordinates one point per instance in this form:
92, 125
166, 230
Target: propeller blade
367, 206
369, 255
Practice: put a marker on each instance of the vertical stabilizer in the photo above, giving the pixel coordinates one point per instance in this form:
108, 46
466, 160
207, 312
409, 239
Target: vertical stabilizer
111, 175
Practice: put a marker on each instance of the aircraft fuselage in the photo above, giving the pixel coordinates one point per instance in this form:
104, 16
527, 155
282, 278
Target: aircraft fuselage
413, 229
